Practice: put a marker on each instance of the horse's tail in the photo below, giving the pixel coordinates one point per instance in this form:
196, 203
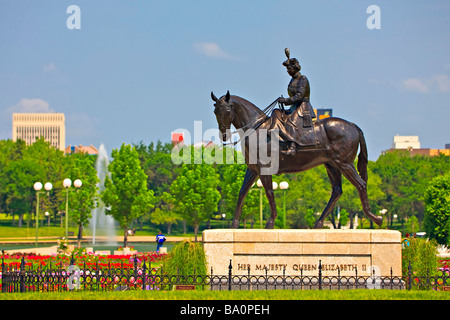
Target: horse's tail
362, 157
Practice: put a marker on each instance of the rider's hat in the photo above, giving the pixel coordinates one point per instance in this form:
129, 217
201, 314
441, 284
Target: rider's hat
291, 61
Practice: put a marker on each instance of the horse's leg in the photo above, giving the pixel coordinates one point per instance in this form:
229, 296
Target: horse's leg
335, 177
249, 179
349, 171
268, 187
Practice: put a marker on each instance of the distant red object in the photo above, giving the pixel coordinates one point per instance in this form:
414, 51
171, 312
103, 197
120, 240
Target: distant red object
177, 137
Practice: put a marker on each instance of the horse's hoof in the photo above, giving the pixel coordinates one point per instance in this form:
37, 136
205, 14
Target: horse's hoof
378, 220
270, 224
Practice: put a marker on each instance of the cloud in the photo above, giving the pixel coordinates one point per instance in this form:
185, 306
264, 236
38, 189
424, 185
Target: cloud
212, 49
25, 105
34, 105
437, 82
442, 82
50, 68
415, 84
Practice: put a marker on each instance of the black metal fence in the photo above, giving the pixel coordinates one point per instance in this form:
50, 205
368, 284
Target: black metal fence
140, 277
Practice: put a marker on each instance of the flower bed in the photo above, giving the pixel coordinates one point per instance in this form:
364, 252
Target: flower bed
90, 260
89, 271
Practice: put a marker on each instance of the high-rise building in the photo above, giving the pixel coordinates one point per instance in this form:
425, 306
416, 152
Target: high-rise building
32, 126
412, 145
406, 142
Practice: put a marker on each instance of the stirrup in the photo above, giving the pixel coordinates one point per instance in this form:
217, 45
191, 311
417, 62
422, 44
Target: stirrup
291, 150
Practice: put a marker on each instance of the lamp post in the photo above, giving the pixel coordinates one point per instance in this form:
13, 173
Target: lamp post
223, 220
383, 212
284, 186
259, 184
67, 183
38, 187
47, 214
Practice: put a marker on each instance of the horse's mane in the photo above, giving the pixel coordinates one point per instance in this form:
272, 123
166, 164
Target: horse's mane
247, 104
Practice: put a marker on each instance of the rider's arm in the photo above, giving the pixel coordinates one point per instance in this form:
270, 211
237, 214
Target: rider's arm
300, 92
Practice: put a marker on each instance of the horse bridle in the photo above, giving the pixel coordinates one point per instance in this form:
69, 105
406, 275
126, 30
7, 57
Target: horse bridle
253, 126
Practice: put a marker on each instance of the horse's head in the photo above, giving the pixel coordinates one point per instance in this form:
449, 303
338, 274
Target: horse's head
224, 115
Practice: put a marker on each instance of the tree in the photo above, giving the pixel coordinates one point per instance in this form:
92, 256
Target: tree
21, 166
308, 193
310, 218
405, 179
82, 200
126, 193
437, 209
165, 217
194, 193
230, 184
350, 200
49, 166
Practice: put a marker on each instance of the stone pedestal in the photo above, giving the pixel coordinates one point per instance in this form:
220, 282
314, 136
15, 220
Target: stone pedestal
299, 252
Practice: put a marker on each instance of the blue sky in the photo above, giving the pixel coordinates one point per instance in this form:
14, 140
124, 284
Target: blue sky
138, 70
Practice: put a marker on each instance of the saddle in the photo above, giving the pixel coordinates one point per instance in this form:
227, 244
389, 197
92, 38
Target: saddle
293, 128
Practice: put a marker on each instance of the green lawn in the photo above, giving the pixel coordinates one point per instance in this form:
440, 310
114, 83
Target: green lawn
55, 231
360, 294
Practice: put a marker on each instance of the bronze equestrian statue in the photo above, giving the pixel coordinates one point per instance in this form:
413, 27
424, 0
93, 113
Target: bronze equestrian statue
332, 142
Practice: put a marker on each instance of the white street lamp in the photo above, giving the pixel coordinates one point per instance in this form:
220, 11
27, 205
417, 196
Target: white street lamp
223, 220
259, 184
47, 214
67, 183
38, 187
77, 183
284, 186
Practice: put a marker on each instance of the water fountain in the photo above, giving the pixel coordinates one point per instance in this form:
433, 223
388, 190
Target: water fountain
100, 220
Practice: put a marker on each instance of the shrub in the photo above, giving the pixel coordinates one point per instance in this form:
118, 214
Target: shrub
186, 258
422, 253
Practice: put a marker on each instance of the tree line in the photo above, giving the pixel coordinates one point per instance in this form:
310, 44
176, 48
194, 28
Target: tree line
146, 187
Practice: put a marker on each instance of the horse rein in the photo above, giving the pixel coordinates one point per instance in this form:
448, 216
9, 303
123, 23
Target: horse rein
256, 124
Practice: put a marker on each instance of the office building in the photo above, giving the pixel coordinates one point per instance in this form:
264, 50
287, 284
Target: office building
32, 126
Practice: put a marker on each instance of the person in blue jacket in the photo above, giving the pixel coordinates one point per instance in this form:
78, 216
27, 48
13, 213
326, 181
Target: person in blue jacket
160, 238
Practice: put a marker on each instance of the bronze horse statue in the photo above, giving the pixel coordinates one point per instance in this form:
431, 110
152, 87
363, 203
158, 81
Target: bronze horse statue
339, 141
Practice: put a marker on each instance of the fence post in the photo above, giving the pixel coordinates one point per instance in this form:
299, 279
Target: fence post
249, 281
144, 269
320, 274
409, 275
301, 278
135, 267
211, 279
266, 280
3, 273
339, 278
22, 275
392, 279
230, 267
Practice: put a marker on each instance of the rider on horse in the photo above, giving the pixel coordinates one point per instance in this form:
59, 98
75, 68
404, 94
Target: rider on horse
301, 113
